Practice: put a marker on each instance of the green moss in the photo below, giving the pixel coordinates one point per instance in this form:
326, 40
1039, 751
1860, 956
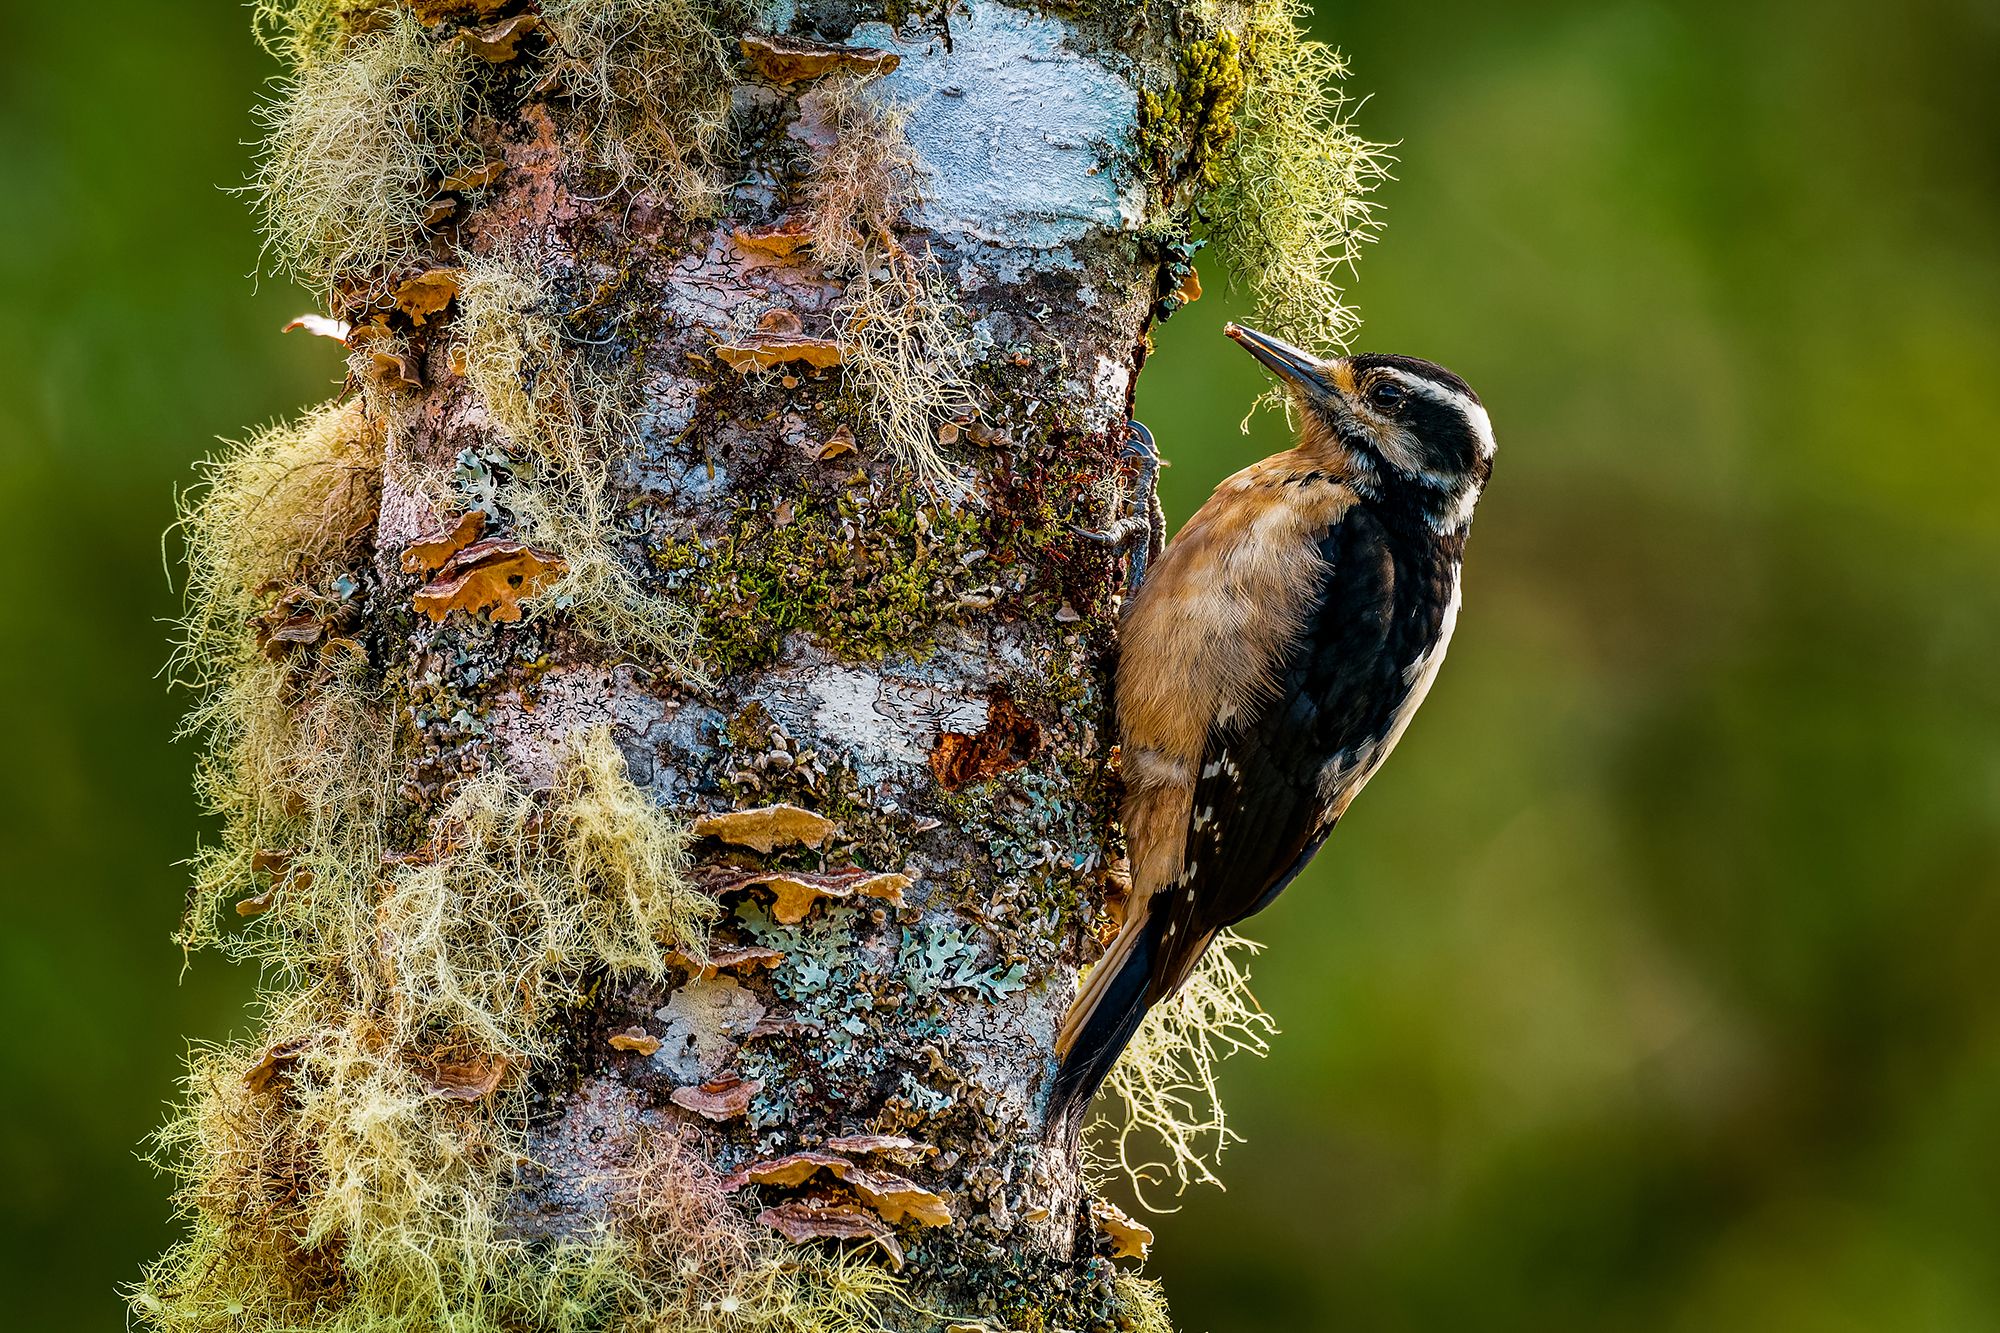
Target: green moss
1186, 128
861, 577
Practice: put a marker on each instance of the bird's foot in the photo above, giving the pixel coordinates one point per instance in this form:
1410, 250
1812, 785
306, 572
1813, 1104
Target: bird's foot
1141, 532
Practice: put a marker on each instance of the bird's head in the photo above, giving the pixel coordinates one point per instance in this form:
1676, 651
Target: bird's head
1407, 430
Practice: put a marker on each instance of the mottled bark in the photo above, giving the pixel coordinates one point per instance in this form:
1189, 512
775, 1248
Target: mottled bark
957, 735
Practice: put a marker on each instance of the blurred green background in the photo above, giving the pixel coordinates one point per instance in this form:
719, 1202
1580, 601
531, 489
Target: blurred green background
1655, 986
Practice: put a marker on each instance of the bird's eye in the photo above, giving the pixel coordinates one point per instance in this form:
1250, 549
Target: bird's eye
1387, 395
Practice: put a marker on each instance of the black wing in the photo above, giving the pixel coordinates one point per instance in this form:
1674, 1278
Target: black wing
1258, 815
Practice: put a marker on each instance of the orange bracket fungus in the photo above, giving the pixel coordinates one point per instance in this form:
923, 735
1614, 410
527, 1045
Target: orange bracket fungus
766, 828
492, 575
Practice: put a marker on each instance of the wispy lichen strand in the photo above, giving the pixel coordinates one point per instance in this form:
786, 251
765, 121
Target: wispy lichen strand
566, 414
353, 147
1167, 1126
899, 329
1256, 126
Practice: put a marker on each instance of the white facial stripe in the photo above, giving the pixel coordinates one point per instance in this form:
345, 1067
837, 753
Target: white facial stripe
1482, 424
1400, 448
1482, 430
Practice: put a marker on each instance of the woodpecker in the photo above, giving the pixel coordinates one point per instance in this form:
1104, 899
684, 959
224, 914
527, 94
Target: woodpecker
1271, 659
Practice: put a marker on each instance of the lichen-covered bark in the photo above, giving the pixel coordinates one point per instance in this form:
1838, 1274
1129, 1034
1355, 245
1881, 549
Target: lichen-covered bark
954, 729
660, 719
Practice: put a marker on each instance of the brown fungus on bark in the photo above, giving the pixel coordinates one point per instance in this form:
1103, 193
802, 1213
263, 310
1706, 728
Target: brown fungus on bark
788, 60
898, 1199
427, 557
1130, 1238
793, 893
779, 241
763, 351
736, 958
802, 1222
635, 1040
494, 575
896, 1147
1009, 739
791, 1170
426, 294
498, 43
724, 1098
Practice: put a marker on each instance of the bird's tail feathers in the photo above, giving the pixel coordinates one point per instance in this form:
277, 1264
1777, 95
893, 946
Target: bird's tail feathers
1102, 974
1102, 1021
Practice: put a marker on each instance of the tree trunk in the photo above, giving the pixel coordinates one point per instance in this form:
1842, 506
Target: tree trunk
660, 714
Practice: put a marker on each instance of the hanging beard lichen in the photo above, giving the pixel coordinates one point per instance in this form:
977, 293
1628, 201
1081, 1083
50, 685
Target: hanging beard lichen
352, 1170
1255, 131
348, 1169
1163, 1090
551, 401
650, 79
354, 146
901, 347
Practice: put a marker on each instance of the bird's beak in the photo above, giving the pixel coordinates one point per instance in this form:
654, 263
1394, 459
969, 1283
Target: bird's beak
1282, 359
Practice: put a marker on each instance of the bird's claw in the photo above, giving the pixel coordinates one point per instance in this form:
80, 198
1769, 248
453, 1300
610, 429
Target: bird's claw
1139, 444
1142, 531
